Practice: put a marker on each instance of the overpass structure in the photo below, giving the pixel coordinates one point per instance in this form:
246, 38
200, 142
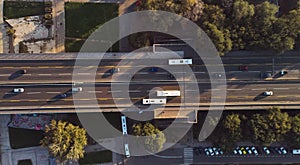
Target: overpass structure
48, 76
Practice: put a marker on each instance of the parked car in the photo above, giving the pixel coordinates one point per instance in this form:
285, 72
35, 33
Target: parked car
48, 16
296, 151
19, 90
281, 150
254, 150
48, 9
48, 3
267, 150
243, 68
268, 93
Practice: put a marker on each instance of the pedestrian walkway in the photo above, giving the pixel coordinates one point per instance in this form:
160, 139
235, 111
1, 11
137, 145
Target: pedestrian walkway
4, 140
188, 156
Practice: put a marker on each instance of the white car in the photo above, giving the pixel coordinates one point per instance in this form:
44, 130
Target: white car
267, 151
268, 93
76, 89
19, 90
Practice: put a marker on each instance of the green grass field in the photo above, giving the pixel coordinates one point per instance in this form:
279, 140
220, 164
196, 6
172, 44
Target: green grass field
19, 9
82, 19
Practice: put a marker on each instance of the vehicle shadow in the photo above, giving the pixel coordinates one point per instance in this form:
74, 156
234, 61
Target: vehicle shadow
277, 75
259, 97
61, 96
9, 94
15, 75
107, 73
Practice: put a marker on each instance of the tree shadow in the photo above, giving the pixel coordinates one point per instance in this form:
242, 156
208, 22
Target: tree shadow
9, 94
15, 75
260, 96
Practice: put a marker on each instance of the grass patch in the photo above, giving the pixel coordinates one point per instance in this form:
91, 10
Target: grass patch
82, 19
73, 45
96, 157
22, 138
19, 9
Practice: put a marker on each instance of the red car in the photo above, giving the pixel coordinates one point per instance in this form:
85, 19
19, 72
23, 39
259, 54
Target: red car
243, 67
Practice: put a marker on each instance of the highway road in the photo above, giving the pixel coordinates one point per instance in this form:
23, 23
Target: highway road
43, 95
45, 80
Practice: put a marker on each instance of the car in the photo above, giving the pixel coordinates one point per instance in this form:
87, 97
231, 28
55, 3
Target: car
114, 70
267, 75
63, 95
248, 150
254, 150
243, 68
76, 89
48, 9
235, 152
19, 90
283, 150
266, 150
48, 3
48, 16
296, 151
268, 93
283, 72
153, 69
24, 71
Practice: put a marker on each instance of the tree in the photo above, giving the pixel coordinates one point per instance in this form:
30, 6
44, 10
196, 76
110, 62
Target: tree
271, 126
191, 9
294, 136
155, 138
64, 141
232, 124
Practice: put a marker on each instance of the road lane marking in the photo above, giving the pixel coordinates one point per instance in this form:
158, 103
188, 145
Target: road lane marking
134, 91
95, 92
43, 67
258, 89
282, 88
114, 91
31, 93
234, 89
64, 74
53, 92
9, 93
5, 74
34, 100
44, 74
83, 73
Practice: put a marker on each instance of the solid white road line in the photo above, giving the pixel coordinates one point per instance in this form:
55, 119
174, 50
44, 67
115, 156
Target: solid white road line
94, 91
44, 74
31, 93
234, 89
64, 74
258, 89
53, 92
281, 88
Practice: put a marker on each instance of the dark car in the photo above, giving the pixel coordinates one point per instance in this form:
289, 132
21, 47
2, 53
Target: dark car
243, 67
153, 69
283, 72
267, 75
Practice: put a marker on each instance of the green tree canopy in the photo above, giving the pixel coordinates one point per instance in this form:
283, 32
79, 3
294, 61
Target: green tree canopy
232, 124
271, 126
155, 138
64, 141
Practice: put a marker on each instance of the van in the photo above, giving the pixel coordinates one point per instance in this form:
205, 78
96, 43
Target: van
296, 151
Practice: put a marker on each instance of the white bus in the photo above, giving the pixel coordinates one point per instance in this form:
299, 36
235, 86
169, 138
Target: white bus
124, 126
154, 101
127, 153
168, 93
180, 61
